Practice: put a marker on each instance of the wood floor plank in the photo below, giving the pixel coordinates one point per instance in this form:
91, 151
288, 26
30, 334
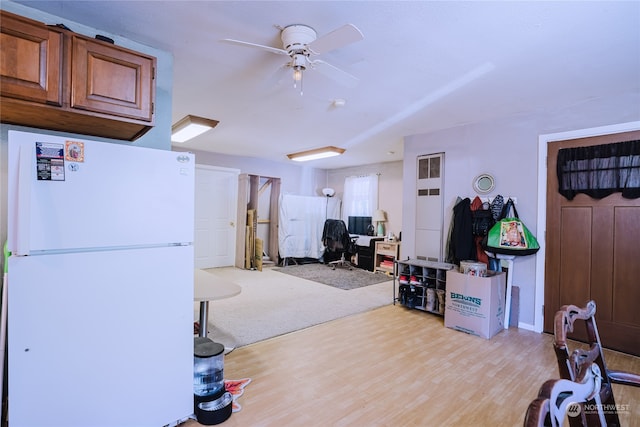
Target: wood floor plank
398, 367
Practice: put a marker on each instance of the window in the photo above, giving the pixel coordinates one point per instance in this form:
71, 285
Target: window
360, 196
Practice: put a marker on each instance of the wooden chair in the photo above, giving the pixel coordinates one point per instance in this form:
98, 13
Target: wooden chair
571, 364
580, 366
559, 398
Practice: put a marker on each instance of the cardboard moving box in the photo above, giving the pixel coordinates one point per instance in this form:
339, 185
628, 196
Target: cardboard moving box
475, 305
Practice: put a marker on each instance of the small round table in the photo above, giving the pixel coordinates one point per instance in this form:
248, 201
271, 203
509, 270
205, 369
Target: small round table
210, 287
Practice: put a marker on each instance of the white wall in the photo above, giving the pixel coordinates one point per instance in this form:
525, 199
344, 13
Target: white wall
295, 179
508, 149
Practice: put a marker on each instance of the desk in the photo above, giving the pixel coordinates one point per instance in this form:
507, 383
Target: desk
365, 248
209, 287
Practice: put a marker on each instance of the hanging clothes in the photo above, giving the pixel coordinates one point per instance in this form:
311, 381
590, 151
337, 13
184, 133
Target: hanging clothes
480, 254
461, 245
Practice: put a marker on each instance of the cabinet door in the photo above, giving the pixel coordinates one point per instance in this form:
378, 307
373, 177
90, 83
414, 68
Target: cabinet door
112, 80
30, 60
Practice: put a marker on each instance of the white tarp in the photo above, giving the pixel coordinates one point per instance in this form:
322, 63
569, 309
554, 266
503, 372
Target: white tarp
301, 222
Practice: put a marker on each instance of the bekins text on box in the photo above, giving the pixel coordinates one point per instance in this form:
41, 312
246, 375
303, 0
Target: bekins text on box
475, 305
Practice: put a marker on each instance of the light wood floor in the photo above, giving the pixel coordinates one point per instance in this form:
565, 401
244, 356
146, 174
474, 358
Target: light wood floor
398, 367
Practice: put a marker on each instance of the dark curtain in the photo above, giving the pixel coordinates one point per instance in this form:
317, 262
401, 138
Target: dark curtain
600, 170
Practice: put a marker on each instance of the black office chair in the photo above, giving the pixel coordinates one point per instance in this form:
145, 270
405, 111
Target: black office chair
336, 239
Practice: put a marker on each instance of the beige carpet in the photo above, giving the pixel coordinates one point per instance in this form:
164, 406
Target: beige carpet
272, 304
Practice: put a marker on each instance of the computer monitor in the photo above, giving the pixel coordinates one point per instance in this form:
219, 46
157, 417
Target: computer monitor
359, 224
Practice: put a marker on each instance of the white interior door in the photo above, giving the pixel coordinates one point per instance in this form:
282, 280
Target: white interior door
215, 216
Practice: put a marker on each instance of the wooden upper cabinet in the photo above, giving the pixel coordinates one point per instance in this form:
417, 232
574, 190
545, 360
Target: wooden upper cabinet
111, 80
51, 78
30, 60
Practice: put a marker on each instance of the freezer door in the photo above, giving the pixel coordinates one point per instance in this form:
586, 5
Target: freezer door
70, 194
101, 339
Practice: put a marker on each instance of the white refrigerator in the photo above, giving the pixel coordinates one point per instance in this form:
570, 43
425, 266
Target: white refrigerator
100, 283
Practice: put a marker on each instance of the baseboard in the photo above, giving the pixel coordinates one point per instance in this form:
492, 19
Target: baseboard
527, 326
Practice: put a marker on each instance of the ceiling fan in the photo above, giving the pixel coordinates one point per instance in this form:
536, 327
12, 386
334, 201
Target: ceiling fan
301, 42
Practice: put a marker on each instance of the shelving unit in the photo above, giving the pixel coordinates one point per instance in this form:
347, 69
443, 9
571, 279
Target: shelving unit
385, 256
426, 284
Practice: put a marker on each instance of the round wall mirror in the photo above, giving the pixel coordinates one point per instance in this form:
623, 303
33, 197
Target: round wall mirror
484, 183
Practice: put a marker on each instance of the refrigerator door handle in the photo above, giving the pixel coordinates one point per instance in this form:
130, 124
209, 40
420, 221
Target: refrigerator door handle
22, 219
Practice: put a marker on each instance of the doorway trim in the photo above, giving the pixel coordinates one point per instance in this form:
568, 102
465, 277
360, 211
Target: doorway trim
541, 226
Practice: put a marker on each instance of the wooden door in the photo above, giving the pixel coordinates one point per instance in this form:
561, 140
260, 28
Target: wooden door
593, 252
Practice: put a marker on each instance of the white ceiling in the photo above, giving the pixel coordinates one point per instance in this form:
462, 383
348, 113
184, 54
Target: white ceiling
423, 66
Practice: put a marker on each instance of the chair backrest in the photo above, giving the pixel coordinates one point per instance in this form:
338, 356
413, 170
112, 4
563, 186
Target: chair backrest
335, 235
572, 364
559, 399
585, 379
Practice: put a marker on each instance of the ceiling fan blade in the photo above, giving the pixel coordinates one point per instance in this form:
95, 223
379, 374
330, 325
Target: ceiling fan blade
259, 46
338, 38
335, 73
277, 78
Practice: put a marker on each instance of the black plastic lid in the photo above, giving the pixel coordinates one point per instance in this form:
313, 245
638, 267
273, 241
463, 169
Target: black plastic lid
204, 347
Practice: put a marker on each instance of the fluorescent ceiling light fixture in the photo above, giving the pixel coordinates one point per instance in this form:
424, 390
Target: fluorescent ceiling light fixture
318, 153
190, 127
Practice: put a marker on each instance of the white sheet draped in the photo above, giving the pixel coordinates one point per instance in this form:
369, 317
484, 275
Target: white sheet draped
301, 222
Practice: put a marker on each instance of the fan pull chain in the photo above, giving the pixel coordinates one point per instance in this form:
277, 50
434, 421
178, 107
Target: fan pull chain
295, 83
